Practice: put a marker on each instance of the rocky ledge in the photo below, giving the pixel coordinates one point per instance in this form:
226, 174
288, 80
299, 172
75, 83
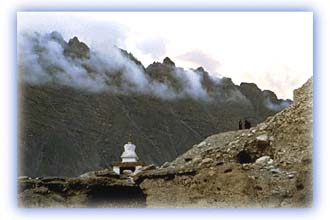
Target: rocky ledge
94, 189
269, 165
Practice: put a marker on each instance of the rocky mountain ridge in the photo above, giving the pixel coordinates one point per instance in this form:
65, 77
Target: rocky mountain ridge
77, 106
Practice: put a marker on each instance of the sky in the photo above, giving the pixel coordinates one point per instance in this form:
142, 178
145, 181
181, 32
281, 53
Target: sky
272, 49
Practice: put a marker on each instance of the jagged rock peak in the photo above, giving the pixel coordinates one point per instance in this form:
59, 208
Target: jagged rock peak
77, 49
131, 57
252, 86
200, 69
56, 36
74, 40
168, 61
270, 94
227, 81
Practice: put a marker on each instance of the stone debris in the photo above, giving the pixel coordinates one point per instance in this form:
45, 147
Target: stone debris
290, 176
206, 161
197, 160
275, 170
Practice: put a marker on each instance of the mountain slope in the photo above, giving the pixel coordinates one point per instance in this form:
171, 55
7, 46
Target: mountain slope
77, 107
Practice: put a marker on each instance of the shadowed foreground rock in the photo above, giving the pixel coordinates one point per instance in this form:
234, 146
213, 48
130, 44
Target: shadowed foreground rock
93, 189
269, 165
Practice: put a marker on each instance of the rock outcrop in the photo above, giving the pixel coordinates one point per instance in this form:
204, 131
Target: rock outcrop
102, 189
77, 49
269, 165
168, 61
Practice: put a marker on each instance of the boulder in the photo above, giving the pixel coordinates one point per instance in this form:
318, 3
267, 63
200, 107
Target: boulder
263, 160
201, 144
166, 164
206, 161
148, 167
262, 141
100, 173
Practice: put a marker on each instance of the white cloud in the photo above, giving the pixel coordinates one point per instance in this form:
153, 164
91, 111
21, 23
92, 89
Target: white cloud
252, 42
95, 32
155, 47
201, 58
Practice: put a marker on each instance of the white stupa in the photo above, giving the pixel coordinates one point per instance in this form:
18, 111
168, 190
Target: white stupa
130, 160
129, 154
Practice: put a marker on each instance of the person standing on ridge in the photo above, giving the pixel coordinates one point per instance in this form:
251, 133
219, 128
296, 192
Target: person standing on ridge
247, 124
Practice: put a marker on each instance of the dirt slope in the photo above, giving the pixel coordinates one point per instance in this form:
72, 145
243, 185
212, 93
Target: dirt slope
269, 165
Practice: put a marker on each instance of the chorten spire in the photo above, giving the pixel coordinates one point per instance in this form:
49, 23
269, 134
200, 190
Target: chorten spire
130, 136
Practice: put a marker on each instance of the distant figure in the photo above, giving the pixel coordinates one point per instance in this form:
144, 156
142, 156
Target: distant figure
247, 124
240, 125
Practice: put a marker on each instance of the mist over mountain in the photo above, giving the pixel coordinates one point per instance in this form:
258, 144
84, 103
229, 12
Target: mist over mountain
77, 106
48, 58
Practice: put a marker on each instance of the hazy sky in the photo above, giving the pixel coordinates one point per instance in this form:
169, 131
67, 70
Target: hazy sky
272, 49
